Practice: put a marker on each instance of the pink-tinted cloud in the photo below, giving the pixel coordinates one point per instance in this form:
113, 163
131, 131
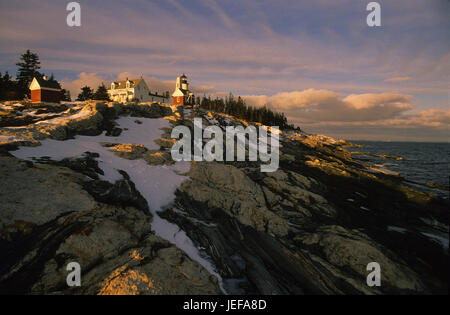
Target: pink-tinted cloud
93, 80
383, 116
428, 125
313, 105
397, 79
376, 116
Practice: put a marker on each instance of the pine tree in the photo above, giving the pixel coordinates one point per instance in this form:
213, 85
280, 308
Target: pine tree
2, 86
28, 68
86, 94
101, 94
237, 107
65, 95
8, 88
52, 79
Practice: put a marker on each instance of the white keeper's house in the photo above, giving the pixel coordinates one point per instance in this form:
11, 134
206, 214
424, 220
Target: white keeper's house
136, 89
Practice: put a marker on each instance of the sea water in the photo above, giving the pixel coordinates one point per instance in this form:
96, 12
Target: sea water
421, 162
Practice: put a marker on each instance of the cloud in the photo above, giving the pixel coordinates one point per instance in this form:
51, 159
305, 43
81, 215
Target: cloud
203, 89
223, 16
313, 105
428, 125
93, 80
397, 79
256, 100
371, 116
381, 116
434, 118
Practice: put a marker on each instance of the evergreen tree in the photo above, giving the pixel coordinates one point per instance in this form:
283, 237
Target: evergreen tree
101, 94
8, 88
65, 95
52, 79
2, 86
237, 108
86, 94
28, 68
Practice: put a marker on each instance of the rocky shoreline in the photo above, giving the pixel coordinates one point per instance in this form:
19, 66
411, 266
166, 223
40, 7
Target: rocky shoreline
311, 227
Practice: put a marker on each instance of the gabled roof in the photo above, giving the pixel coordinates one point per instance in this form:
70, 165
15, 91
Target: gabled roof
123, 84
46, 83
178, 92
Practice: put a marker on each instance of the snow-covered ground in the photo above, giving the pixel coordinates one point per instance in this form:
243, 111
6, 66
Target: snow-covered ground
57, 120
157, 184
33, 114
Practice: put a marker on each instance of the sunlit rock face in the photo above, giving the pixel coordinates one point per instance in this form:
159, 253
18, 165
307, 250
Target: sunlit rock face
227, 188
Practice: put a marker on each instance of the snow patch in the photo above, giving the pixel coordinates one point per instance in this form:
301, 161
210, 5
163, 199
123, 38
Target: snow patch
396, 229
438, 239
57, 120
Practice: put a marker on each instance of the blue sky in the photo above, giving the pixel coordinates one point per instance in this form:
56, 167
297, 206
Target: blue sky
317, 61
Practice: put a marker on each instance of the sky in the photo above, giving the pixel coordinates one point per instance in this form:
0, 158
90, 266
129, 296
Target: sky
316, 61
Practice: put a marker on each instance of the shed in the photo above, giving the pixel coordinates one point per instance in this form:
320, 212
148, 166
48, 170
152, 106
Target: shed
44, 90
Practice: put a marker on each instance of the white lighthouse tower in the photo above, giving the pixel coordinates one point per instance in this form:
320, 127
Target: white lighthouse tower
182, 95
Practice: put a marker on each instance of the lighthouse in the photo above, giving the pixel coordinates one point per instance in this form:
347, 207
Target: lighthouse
182, 95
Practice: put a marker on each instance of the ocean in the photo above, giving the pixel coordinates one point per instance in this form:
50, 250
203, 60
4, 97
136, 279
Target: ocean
419, 163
